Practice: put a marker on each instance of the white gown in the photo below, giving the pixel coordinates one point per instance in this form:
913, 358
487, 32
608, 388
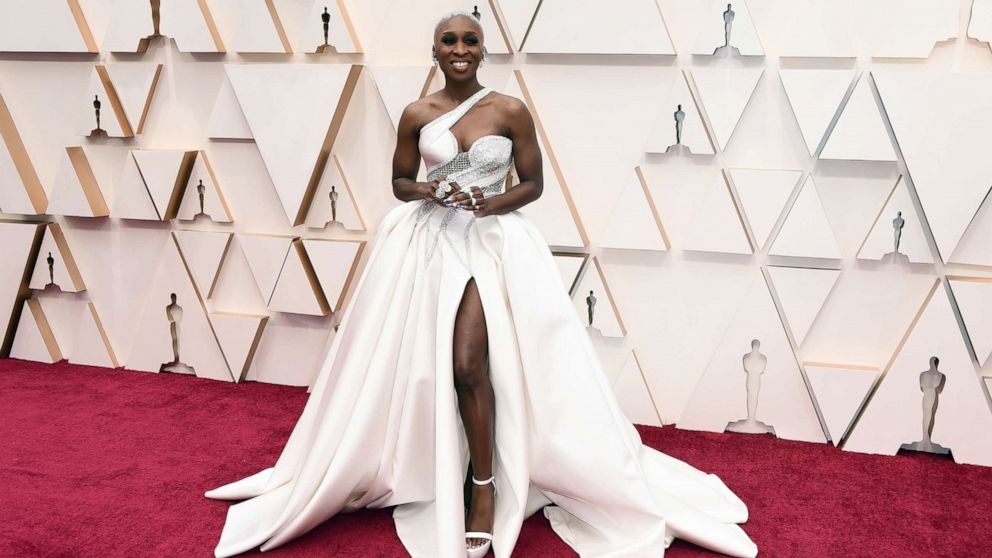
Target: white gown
382, 428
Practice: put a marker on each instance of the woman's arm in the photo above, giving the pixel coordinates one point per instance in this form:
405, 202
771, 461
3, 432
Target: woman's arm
527, 158
406, 161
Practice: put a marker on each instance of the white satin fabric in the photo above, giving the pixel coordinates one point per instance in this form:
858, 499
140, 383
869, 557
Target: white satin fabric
382, 428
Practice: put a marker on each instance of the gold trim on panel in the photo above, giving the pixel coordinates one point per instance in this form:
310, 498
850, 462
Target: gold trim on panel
208, 18
87, 180
70, 263
23, 292
350, 26
609, 296
351, 194
250, 357
45, 329
179, 188
201, 300
892, 359
84, 28
22, 162
308, 270
498, 16
148, 99
325, 150
654, 209
114, 99
555, 167
277, 22
103, 334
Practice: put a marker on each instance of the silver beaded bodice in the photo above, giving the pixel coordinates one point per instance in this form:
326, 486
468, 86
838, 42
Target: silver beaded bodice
486, 165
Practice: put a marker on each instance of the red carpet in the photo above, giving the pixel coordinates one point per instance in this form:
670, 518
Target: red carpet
98, 462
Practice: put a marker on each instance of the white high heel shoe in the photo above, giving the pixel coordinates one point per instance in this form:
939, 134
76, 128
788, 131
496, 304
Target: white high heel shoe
480, 551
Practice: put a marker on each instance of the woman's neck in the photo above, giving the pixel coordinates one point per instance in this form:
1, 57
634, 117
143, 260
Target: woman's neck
459, 91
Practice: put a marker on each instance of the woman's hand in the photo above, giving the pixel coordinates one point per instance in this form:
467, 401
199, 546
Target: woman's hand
427, 190
463, 200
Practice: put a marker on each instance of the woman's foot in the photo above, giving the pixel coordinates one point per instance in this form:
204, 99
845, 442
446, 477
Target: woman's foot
481, 513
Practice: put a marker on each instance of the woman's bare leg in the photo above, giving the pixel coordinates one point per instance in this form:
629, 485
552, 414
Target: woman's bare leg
476, 403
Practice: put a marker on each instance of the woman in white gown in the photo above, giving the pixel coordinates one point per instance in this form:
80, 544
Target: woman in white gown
461, 340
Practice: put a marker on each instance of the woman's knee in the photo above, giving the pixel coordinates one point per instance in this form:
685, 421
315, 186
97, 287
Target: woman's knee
470, 373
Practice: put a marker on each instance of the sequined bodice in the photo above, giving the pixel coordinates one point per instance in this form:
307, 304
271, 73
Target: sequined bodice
486, 163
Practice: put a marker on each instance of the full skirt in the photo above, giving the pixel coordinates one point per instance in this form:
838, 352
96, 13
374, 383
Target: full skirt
382, 428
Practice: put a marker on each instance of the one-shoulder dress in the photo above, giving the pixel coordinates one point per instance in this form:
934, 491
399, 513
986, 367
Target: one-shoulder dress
381, 427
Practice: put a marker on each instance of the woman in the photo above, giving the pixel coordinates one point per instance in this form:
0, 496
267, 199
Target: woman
460, 347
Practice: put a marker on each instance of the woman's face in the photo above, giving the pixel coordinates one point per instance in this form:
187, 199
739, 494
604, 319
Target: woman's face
458, 44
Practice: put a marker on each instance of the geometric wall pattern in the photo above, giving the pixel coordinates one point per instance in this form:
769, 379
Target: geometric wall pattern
242, 165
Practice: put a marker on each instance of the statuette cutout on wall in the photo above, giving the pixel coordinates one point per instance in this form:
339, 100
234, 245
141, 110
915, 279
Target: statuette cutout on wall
895, 256
677, 147
931, 384
591, 305
174, 313
728, 24
96, 111
754, 366
327, 47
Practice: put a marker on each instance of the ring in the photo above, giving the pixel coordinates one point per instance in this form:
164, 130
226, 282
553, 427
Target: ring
474, 203
440, 188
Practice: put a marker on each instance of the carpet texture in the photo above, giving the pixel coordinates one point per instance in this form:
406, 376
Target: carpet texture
98, 462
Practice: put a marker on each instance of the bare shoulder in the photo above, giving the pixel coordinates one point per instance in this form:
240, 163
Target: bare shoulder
515, 110
416, 114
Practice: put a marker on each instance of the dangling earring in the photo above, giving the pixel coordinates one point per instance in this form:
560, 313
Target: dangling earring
434, 55
483, 57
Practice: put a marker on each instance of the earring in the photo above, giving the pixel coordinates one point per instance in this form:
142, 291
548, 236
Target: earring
434, 55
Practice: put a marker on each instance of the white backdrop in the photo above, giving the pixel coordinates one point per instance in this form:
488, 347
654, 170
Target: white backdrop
775, 227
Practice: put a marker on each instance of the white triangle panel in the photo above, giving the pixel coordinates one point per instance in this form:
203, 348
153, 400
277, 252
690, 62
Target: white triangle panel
342, 211
763, 195
227, 120
91, 346
260, 29
974, 298
633, 394
293, 138
880, 241
802, 292
334, 262
553, 212
716, 226
76, 192
584, 27
806, 231
135, 84
154, 332
266, 256
860, 132
784, 402
63, 270
131, 197
606, 316
34, 339
398, 86
945, 149
725, 93
815, 96
238, 335
204, 254
840, 392
663, 133
297, 290
635, 224
818, 31
894, 414
44, 26
214, 204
